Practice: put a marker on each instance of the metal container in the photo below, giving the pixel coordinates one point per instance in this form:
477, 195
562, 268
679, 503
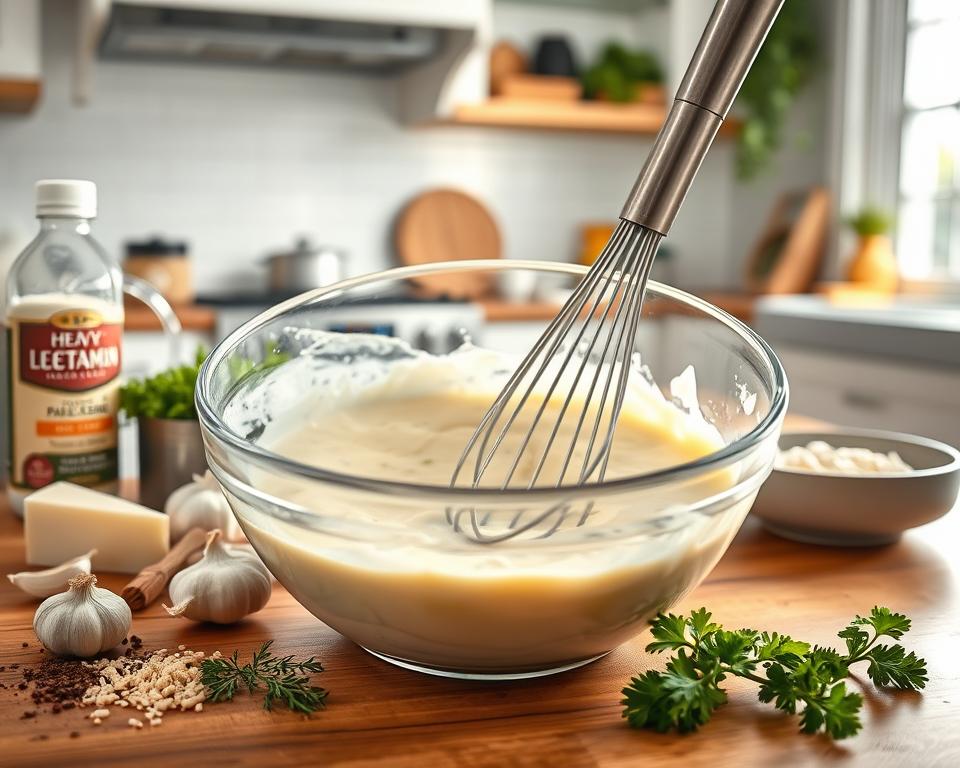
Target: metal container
171, 453
306, 266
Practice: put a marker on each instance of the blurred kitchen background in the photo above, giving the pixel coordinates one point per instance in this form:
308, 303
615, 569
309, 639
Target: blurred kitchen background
345, 136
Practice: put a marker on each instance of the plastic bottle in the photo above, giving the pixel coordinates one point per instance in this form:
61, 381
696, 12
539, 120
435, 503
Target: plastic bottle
64, 318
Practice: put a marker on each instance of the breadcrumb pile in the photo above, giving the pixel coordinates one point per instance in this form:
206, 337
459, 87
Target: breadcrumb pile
152, 684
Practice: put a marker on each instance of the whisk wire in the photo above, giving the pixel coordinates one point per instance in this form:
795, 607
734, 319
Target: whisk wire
573, 348
599, 323
586, 355
637, 282
551, 338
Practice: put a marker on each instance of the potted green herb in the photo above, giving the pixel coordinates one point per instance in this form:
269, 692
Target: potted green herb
622, 75
170, 445
873, 264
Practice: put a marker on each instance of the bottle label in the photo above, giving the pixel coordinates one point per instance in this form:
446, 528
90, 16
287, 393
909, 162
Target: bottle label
63, 398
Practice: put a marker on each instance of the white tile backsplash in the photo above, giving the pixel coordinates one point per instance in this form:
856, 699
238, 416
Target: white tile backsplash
240, 160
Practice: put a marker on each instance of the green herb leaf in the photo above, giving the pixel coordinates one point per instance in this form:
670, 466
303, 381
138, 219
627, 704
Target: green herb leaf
884, 622
890, 665
681, 698
286, 681
857, 640
670, 631
837, 713
733, 649
794, 676
779, 688
700, 624
780, 648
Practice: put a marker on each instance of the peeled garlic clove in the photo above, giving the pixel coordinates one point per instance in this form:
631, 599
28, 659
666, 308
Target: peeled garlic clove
52, 580
83, 621
223, 587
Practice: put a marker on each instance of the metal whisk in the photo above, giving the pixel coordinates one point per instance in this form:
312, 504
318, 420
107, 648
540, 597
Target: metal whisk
553, 423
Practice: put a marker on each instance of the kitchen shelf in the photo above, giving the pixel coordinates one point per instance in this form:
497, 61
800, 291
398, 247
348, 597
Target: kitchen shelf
19, 96
586, 116
192, 317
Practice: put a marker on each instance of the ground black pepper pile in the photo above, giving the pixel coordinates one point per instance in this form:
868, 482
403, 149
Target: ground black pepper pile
60, 683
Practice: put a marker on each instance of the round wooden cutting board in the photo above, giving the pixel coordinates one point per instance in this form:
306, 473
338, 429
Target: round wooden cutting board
447, 225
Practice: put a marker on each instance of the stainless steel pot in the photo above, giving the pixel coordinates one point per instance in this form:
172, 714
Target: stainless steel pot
306, 266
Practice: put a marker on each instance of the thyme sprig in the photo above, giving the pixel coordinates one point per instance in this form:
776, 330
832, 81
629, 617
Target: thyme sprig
285, 681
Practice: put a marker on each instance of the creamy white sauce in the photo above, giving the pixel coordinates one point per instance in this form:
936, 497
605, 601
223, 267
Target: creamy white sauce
821, 457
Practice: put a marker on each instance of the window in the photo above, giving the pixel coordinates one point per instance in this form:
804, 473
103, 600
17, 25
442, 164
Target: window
928, 220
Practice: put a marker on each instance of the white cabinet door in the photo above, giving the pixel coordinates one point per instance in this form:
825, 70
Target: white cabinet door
874, 394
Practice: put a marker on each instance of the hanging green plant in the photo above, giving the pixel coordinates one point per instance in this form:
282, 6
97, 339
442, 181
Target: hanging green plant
782, 68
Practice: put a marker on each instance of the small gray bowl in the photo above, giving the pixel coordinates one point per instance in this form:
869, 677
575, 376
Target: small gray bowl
860, 510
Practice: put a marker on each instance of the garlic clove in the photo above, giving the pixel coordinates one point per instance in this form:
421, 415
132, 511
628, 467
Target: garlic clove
201, 504
52, 580
83, 621
223, 587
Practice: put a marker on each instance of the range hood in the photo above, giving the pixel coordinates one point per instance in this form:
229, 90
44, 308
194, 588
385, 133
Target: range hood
384, 35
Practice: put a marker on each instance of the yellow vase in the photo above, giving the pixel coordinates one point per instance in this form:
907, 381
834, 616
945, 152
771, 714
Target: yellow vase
874, 265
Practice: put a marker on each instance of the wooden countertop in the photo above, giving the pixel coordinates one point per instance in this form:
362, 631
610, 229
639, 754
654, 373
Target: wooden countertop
379, 714
740, 305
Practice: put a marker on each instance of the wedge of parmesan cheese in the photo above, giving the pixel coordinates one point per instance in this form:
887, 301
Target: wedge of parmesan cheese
62, 520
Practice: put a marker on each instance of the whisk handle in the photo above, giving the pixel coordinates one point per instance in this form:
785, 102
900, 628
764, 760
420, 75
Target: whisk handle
727, 48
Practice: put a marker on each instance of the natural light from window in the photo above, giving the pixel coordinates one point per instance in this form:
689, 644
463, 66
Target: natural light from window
928, 221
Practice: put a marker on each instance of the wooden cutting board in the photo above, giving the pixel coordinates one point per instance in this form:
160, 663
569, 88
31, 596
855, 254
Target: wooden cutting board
448, 225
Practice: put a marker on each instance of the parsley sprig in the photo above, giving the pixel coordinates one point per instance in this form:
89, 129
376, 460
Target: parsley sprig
285, 680
794, 676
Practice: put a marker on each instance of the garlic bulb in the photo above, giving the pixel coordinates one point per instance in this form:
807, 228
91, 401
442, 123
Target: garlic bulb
201, 504
52, 580
83, 621
223, 587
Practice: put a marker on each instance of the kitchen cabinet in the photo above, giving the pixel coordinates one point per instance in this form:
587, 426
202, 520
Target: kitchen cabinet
872, 392
19, 55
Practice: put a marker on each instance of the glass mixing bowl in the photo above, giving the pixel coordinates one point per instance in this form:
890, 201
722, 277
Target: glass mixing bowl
379, 561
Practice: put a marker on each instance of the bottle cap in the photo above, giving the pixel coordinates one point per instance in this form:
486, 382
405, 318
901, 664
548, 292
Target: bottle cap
67, 197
